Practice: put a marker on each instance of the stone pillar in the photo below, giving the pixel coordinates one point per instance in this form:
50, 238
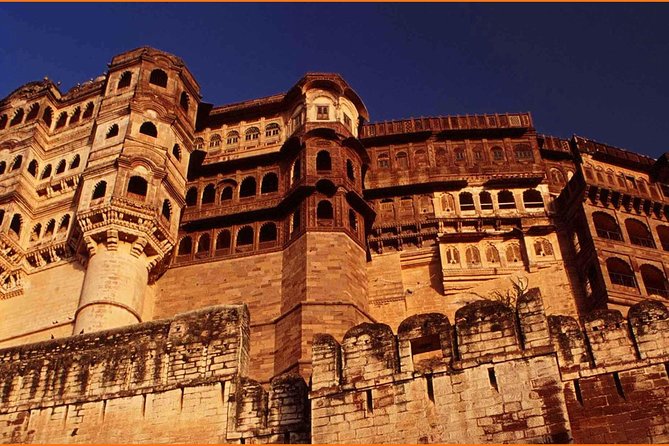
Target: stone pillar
113, 291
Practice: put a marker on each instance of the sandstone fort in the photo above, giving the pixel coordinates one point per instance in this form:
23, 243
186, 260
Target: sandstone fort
287, 270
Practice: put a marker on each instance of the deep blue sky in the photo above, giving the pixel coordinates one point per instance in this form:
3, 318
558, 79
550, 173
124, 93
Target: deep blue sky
596, 70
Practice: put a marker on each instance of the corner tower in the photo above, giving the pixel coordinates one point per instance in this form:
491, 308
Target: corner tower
134, 185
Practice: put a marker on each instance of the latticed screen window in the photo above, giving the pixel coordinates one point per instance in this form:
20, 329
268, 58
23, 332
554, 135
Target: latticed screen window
322, 112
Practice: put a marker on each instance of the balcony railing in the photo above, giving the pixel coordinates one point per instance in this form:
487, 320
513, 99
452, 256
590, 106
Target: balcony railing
611, 235
623, 279
643, 241
658, 291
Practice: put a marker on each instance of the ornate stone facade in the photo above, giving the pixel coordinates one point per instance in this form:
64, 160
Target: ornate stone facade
128, 207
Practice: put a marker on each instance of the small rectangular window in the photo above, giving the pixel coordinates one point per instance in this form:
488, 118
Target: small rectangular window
322, 112
347, 120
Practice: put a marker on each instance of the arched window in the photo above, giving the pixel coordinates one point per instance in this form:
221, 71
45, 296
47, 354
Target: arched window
523, 152
33, 111
478, 155
185, 246
16, 164
473, 256
272, 129
47, 116
323, 160
75, 162
252, 133
50, 228
460, 155
198, 144
325, 213
248, 187
557, 177
167, 209
149, 129
245, 239
191, 196
209, 194
466, 201
184, 100
590, 176
60, 168
506, 200
532, 199
62, 120
15, 225
215, 141
99, 190
513, 254
112, 131
606, 226
497, 153
74, 118
270, 183
352, 220
491, 254
663, 234
543, 248
267, 236
421, 158
486, 201
452, 255
620, 272
35, 233
18, 118
46, 173
425, 204
232, 138
447, 203
176, 152
33, 167
295, 222
158, 77
639, 233
296, 170
137, 188
654, 281
642, 187
383, 161
3, 121
350, 170
64, 224
226, 193
223, 241
88, 111
402, 160
203, 245
124, 80
441, 156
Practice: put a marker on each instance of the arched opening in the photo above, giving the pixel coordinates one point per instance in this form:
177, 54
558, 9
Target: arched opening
47, 116
513, 254
270, 183
148, 129
663, 234
137, 188
247, 188
124, 80
60, 168
3, 121
654, 281
486, 201
209, 194
295, 222
557, 177
215, 141
16, 164
3, 166
543, 248
268, 235
466, 201
296, 171
639, 233
75, 162
452, 255
74, 118
46, 173
506, 200
17, 118
185, 246
88, 111
226, 193
33, 111
62, 120
620, 272
176, 152
272, 129
497, 153
383, 161
325, 213
158, 77
532, 199
402, 160
35, 233
420, 156
33, 167
352, 220
99, 190
232, 138
203, 245
350, 170
460, 155
50, 228
323, 161
184, 100
167, 209
244, 239
64, 224
473, 257
191, 196
15, 225
252, 134
198, 144
606, 226
491, 254
223, 241
112, 131
441, 156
